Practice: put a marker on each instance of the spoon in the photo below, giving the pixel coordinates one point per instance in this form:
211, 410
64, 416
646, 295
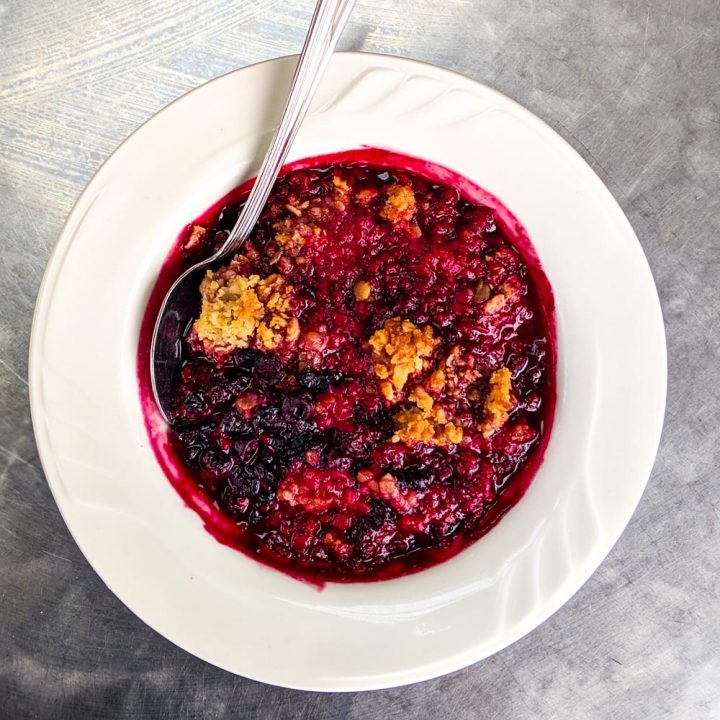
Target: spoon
180, 303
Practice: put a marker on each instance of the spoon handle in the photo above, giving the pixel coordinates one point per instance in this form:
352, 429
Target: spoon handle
326, 26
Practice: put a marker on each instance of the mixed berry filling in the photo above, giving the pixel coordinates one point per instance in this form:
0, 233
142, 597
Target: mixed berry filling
368, 378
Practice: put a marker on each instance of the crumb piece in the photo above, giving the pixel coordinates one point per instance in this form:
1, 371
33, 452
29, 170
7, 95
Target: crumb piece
362, 290
314, 341
247, 402
340, 185
454, 433
290, 234
386, 389
267, 338
425, 423
239, 310
436, 381
512, 288
297, 212
400, 348
422, 399
498, 403
364, 476
453, 356
195, 237
411, 426
400, 204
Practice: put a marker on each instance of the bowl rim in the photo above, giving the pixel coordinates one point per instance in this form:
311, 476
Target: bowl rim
38, 409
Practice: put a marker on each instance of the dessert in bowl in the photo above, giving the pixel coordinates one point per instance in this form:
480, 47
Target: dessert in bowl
368, 385
218, 603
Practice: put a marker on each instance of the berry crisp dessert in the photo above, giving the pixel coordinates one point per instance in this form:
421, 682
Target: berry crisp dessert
369, 384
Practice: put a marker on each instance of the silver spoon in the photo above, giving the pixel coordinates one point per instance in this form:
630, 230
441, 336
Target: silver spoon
180, 303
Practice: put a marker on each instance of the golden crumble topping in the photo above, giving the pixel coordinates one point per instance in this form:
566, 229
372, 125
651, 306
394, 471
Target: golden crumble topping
425, 423
291, 235
436, 381
400, 348
411, 426
340, 184
399, 205
238, 309
498, 403
422, 399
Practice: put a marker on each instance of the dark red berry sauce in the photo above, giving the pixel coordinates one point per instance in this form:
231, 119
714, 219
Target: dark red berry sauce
392, 393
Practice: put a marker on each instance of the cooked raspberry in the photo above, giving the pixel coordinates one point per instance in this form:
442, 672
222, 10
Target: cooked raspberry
312, 489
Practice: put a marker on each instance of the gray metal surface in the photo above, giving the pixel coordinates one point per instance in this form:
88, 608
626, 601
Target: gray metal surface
634, 86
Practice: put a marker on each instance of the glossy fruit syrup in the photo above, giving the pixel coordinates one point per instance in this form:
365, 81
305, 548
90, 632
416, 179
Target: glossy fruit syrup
370, 384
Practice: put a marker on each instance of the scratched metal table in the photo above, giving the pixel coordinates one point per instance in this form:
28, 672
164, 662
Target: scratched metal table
633, 85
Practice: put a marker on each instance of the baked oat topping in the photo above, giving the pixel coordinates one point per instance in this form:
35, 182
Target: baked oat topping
425, 422
400, 204
240, 311
400, 348
499, 402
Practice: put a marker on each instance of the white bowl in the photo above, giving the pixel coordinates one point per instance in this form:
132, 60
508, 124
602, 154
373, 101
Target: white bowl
153, 552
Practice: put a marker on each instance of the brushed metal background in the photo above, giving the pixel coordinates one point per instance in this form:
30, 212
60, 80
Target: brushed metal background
634, 86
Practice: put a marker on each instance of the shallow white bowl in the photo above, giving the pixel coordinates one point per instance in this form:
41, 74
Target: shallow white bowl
154, 553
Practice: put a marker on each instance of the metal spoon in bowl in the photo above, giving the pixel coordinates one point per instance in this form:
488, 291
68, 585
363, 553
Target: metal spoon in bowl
180, 303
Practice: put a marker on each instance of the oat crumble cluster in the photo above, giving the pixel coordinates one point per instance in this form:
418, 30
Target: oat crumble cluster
242, 310
400, 349
366, 378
